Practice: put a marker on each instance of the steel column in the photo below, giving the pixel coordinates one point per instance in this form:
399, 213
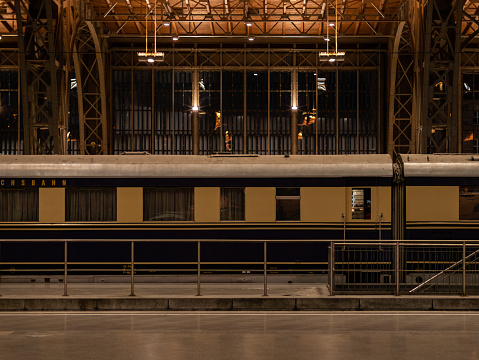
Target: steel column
441, 72
294, 113
44, 131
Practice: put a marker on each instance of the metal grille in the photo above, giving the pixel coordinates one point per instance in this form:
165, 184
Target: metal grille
405, 268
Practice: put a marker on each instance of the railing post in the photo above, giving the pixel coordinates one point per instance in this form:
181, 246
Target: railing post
0, 267
464, 268
65, 270
380, 231
380, 221
265, 272
397, 269
132, 268
198, 286
331, 270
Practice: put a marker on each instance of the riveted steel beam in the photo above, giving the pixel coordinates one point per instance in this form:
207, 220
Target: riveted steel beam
440, 104
38, 77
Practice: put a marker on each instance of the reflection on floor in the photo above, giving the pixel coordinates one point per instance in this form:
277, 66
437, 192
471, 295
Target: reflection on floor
214, 336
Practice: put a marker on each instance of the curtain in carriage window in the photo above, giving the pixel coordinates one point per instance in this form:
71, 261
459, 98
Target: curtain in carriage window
168, 204
232, 204
90, 204
19, 204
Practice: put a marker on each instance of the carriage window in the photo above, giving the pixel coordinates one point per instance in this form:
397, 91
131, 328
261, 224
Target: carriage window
90, 204
288, 204
232, 204
19, 204
468, 203
168, 204
361, 204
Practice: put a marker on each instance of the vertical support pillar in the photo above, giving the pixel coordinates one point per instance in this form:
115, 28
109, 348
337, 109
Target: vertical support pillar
245, 115
195, 114
38, 77
198, 275
265, 271
456, 125
397, 270
441, 73
294, 111
196, 133
132, 267
65, 269
337, 112
331, 269
464, 268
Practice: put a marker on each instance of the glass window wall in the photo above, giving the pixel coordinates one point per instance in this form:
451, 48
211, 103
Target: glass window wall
210, 115
257, 85
245, 111
10, 128
280, 110
470, 113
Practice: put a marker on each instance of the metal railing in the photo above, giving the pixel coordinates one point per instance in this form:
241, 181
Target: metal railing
353, 266
95, 267
405, 267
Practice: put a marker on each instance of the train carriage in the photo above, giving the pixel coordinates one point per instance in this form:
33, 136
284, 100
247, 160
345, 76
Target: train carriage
441, 197
230, 197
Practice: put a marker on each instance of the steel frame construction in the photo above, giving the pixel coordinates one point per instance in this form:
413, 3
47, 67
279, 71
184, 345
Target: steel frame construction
44, 67
38, 79
90, 74
229, 18
440, 103
293, 60
186, 58
401, 129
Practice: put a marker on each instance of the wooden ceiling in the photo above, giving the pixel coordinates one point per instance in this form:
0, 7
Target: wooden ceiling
270, 20
302, 19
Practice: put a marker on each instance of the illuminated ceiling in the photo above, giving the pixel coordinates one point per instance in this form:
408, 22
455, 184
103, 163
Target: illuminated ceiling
219, 20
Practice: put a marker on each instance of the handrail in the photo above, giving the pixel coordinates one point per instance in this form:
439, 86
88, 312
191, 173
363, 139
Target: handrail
443, 271
450, 242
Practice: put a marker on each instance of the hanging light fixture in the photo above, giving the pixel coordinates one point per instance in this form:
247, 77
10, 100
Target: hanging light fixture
150, 56
332, 56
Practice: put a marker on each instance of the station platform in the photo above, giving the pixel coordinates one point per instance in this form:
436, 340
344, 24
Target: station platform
214, 297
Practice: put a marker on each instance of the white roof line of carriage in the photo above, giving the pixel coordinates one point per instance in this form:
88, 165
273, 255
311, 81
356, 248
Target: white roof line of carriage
441, 165
179, 166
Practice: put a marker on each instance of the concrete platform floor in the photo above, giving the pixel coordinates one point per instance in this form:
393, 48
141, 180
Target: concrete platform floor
239, 335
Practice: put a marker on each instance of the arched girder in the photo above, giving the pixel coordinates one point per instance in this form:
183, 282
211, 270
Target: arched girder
401, 93
90, 75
